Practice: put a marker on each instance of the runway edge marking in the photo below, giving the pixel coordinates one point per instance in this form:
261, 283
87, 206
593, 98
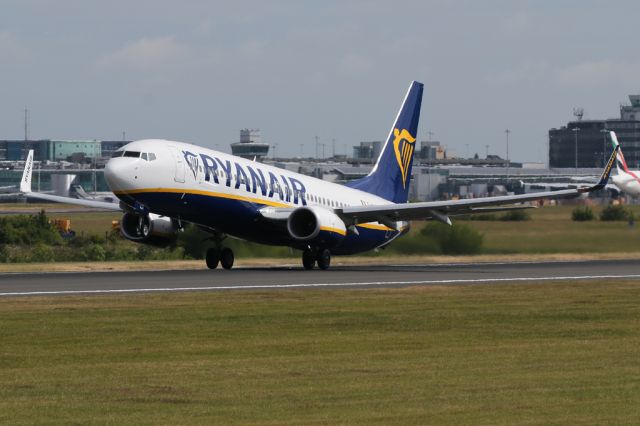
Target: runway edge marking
311, 285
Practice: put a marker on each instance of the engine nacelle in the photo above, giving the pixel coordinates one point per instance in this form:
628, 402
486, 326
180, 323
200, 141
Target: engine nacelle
149, 229
316, 226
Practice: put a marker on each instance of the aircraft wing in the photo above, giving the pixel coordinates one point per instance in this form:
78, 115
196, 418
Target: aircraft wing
564, 185
25, 189
75, 201
441, 210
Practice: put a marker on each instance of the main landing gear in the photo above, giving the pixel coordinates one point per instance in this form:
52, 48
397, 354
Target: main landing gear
222, 256
321, 256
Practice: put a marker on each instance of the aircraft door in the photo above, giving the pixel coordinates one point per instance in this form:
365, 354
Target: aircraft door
179, 164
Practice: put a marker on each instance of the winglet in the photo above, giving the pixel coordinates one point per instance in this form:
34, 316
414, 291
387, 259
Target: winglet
25, 183
604, 178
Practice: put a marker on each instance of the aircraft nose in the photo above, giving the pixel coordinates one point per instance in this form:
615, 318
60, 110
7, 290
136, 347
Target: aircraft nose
116, 172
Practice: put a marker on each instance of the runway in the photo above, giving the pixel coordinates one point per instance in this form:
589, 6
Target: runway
290, 277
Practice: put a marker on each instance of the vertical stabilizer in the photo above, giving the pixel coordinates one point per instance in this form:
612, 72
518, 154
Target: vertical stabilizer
620, 161
25, 183
391, 174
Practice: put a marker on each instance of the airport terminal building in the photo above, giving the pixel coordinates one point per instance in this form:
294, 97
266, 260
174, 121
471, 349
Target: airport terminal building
76, 151
585, 143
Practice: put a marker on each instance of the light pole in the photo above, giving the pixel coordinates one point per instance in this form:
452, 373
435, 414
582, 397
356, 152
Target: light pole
506, 132
604, 145
575, 131
316, 147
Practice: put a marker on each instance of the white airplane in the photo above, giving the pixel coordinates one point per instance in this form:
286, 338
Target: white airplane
626, 180
164, 184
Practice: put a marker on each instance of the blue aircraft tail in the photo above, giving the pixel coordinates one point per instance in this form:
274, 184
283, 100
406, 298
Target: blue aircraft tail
391, 175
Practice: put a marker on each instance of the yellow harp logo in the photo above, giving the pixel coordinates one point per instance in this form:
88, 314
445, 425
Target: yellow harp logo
403, 145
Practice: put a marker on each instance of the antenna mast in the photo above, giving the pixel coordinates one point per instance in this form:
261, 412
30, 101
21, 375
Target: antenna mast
26, 124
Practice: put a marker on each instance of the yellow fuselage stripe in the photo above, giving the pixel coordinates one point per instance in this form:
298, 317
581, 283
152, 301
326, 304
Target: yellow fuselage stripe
336, 230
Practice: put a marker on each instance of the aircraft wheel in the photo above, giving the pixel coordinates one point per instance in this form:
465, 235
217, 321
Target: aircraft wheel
324, 259
212, 258
226, 258
308, 260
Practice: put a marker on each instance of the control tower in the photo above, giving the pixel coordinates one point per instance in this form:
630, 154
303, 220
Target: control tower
250, 145
631, 112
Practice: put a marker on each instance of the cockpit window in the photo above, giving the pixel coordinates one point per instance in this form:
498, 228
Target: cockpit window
148, 156
133, 154
117, 154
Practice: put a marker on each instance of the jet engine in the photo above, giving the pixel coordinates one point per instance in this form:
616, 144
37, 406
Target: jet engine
316, 226
149, 228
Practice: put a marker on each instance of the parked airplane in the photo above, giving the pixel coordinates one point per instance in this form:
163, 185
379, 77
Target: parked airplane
626, 180
164, 184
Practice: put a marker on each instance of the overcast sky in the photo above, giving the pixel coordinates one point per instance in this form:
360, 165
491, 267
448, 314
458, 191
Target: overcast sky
198, 71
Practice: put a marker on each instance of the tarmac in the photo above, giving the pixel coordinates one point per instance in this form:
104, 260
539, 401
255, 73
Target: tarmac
294, 277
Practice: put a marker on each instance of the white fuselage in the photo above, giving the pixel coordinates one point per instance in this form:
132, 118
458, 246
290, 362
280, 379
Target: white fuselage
171, 170
627, 182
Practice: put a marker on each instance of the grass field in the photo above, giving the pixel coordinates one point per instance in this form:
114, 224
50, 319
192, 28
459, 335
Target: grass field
562, 353
551, 230
90, 222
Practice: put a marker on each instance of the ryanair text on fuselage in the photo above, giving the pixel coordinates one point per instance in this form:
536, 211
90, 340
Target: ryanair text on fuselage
288, 189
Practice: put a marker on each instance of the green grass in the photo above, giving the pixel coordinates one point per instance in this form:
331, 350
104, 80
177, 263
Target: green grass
492, 354
89, 222
550, 230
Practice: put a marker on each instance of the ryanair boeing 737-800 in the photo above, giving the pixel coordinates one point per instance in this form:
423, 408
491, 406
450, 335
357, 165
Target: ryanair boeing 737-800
164, 184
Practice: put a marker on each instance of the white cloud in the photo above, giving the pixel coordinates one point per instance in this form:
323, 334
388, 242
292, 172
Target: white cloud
598, 73
147, 53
